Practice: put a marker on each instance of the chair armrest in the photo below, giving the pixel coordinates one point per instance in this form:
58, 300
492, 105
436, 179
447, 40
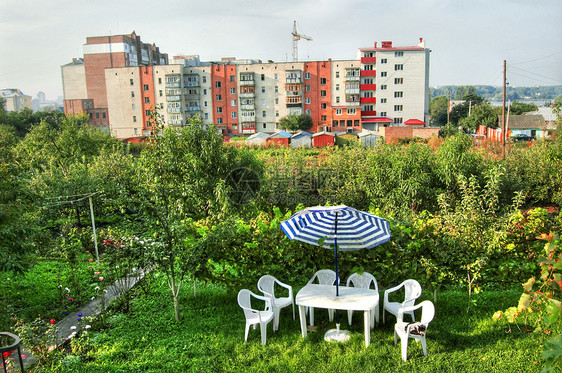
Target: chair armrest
403, 310
267, 300
388, 291
286, 286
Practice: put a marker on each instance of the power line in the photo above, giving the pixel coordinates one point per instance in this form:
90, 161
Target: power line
538, 59
531, 78
530, 72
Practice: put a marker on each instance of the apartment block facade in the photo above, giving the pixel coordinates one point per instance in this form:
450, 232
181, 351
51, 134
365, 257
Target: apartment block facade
384, 86
84, 84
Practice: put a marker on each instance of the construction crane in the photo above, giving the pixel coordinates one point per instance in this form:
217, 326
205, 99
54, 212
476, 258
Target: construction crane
296, 38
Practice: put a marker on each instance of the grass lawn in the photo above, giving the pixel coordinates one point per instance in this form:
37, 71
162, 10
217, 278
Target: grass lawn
210, 338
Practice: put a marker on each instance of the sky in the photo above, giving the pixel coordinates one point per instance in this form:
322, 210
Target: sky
469, 39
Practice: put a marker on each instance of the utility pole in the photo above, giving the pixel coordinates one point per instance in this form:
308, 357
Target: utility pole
503, 111
448, 105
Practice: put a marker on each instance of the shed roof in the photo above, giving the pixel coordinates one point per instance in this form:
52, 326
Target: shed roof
281, 134
323, 133
258, 135
301, 134
523, 122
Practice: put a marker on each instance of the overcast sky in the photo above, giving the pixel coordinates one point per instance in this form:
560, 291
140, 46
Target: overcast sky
469, 39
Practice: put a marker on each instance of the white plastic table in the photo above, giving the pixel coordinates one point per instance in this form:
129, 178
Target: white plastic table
350, 298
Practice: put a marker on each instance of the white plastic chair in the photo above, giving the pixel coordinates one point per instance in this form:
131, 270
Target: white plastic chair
253, 316
364, 281
404, 330
266, 284
323, 277
413, 291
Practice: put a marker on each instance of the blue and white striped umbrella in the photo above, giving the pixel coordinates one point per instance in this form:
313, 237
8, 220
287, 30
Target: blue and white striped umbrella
340, 227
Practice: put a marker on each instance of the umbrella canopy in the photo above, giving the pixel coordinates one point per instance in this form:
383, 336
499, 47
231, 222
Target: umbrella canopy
339, 227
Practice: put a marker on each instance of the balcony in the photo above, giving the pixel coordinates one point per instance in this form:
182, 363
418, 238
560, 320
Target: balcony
368, 59
247, 82
294, 104
172, 85
368, 72
248, 118
192, 108
368, 114
191, 84
352, 91
294, 80
353, 78
368, 87
368, 100
173, 98
246, 95
248, 107
174, 110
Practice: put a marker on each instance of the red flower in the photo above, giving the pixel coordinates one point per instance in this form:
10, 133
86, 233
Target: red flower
52, 321
7, 353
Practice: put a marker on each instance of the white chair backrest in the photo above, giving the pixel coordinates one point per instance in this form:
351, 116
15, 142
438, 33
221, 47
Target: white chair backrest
266, 284
362, 281
428, 312
413, 290
244, 301
324, 277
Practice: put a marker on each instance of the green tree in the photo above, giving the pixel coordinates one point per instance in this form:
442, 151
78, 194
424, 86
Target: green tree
438, 110
302, 122
518, 108
481, 115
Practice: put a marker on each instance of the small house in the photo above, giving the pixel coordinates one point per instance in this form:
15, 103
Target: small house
258, 138
302, 138
321, 139
280, 137
532, 125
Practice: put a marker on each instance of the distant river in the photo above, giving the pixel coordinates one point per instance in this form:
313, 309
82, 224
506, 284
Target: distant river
536, 102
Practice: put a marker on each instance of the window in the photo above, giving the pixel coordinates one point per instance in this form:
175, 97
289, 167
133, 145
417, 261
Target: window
368, 67
398, 107
232, 78
147, 113
263, 114
383, 87
384, 60
351, 111
146, 87
103, 115
219, 109
322, 80
349, 123
217, 84
277, 113
398, 80
334, 123
323, 118
337, 74
276, 101
367, 108
306, 76
307, 100
204, 92
218, 97
275, 76
219, 120
383, 100
132, 83
147, 100
232, 102
159, 80
134, 118
307, 111
383, 74
133, 106
398, 67
232, 91
307, 88
97, 115
205, 103
262, 76
132, 93
383, 113
323, 105
368, 81
397, 120
276, 89
206, 115
233, 115
262, 89
205, 81
263, 101
264, 125
323, 93
398, 94
337, 99
398, 54
135, 130
337, 87
338, 111
160, 93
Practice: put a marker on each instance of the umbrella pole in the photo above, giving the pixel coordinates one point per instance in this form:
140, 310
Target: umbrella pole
337, 275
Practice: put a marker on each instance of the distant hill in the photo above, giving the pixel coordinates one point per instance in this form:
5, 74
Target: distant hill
492, 93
